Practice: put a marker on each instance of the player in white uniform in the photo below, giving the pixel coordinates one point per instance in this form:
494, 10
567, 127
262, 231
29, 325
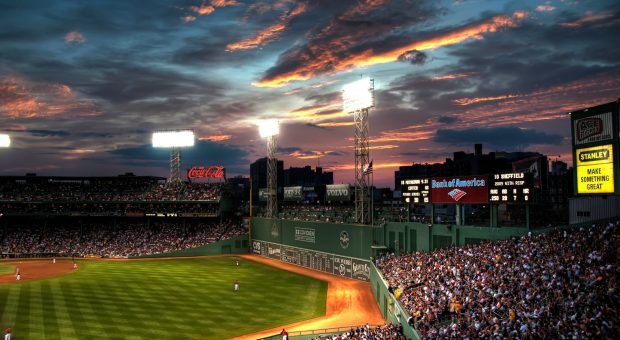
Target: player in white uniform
236, 286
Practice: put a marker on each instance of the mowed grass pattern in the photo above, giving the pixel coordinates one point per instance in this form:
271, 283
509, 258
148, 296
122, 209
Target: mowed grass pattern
160, 299
6, 269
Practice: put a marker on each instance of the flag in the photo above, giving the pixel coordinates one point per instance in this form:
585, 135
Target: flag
368, 169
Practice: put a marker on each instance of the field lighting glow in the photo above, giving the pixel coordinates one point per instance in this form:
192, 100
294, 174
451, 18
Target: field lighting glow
268, 128
5, 141
358, 95
170, 139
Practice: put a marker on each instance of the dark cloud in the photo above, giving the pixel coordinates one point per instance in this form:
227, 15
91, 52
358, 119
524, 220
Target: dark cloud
414, 57
202, 153
48, 133
498, 136
288, 149
447, 119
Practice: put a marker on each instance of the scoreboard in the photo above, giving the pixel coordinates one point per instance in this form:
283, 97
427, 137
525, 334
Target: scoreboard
416, 190
515, 187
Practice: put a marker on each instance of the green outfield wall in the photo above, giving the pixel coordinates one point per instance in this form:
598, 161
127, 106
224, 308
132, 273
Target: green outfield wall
235, 245
413, 236
338, 249
350, 240
390, 307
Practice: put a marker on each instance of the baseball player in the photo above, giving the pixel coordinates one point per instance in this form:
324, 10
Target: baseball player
237, 262
284, 334
236, 286
54, 261
74, 265
7, 334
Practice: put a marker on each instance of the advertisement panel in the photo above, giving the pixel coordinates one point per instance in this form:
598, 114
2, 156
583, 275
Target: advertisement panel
595, 170
205, 172
305, 234
515, 187
338, 192
262, 194
596, 128
293, 193
537, 166
416, 190
460, 189
329, 263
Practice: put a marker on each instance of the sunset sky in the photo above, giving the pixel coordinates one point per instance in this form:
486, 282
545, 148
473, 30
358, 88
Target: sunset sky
83, 84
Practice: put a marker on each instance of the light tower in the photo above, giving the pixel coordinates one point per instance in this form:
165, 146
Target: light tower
5, 140
174, 140
270, 129
358, 98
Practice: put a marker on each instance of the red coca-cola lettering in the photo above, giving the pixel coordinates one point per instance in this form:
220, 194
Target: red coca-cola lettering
213, 171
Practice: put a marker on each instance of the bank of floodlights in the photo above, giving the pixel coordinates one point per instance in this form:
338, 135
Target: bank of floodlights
5, 140
174, 140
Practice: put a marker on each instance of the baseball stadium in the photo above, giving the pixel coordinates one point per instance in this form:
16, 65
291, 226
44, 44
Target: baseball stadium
155, 177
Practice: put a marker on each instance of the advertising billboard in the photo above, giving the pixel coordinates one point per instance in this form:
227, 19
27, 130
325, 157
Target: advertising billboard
591, 129
293, 193
205, 172
416, 191
595, 170
460, 189
515, 187
338, 192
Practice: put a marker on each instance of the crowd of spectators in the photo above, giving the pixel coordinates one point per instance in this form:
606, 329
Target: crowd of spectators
319, 213
388, 332
120, 240
108, 208
106, 190
560, 285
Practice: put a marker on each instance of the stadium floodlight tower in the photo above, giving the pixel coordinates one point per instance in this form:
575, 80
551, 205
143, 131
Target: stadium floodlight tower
174, 140
358, 98
5, 140
270, 129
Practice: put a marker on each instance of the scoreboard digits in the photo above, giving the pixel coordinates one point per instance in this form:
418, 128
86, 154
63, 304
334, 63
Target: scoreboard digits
513, 187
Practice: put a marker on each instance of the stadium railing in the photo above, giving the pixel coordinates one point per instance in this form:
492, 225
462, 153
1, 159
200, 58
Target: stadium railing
319, 331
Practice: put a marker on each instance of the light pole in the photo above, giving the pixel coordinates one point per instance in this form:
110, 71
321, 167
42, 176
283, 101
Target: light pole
358, 98
270, 129
174, 140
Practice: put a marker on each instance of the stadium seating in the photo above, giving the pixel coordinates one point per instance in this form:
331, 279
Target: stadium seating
557, 285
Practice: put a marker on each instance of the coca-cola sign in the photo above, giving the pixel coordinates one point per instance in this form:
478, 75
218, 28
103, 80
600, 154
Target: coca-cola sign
213, 171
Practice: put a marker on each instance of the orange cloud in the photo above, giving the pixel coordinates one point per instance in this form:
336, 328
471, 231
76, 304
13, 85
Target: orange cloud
375, 165
453, 76
82, 151
310, 154
188, 18
21, 98
335, 56
318, 112
588, 18
545, 8
203, 9
224, 3
469, 101
335, 124
216, 138
75, 37
270, 33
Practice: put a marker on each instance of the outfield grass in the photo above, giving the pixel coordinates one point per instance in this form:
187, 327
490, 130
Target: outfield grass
160, 299
6, 269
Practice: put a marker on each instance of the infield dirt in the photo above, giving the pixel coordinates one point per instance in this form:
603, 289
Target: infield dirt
349, 302
36, 269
